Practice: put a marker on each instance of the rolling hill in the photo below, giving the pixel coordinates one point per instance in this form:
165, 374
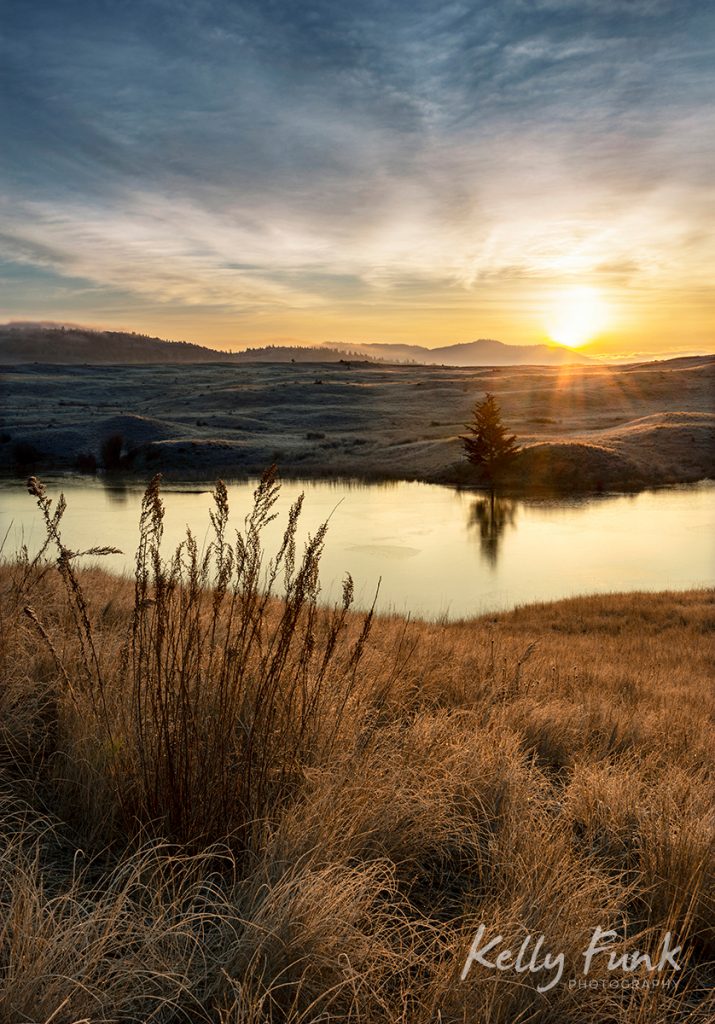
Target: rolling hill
72, 345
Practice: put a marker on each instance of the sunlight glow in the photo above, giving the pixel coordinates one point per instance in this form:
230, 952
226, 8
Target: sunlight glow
576, 316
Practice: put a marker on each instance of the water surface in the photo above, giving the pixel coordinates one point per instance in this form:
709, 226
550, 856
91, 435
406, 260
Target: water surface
437, 551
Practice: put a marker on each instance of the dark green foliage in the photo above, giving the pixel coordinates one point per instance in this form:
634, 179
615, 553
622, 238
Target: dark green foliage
26, 454
488, 446
86, 462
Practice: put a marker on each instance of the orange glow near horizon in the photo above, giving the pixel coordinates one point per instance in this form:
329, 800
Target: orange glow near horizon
606, 320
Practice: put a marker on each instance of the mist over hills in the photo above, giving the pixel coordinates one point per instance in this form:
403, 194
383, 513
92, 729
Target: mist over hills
483, 352
29, 342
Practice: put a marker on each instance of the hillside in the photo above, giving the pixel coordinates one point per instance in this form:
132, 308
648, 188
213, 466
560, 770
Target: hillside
30, 343
72, 345
581, 427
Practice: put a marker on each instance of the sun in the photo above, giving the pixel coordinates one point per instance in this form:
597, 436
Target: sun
576, 316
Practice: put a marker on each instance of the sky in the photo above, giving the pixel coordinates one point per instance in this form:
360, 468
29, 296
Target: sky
242, 173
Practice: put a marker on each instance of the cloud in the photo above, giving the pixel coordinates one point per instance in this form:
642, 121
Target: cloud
243, 257
270, 155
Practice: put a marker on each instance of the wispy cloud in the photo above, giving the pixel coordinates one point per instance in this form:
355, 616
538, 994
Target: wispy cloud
257, 156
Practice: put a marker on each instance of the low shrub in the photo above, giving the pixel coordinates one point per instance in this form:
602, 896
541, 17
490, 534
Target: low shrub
86, 462
111, 451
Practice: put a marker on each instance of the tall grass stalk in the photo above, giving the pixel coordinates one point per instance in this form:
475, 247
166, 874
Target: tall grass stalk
227, 687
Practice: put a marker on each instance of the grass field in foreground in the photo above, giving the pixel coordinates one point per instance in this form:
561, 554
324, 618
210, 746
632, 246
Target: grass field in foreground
221, 804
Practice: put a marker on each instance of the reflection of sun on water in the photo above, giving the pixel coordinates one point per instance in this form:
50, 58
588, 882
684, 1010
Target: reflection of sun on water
576, 316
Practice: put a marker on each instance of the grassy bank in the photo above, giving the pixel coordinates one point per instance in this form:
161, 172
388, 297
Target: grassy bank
221, 804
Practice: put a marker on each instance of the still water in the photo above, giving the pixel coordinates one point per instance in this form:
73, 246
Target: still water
437, 551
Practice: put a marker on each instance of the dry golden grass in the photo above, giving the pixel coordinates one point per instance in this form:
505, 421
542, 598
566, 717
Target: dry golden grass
223, 806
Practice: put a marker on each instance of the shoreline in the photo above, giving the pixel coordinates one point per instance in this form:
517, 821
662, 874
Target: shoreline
170, 481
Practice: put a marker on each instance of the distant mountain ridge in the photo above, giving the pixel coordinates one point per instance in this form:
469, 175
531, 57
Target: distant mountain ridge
483, 352
69, 344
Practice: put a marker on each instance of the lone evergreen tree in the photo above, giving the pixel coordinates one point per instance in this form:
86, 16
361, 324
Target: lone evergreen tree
487, 445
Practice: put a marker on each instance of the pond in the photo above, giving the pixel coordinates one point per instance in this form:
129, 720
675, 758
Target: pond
438, 552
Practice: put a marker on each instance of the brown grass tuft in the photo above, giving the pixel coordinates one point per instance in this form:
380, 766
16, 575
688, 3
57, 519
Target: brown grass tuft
221, 801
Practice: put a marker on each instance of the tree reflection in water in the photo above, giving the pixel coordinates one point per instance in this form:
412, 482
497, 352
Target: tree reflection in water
491, 516
116, 489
